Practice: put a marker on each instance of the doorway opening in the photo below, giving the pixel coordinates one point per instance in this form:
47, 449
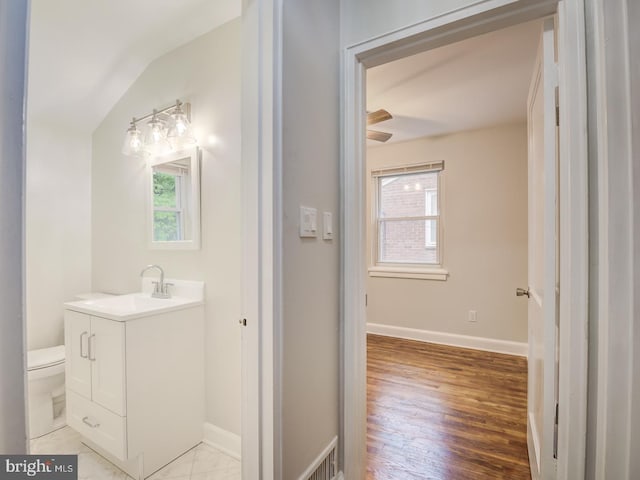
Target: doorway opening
90, 212
429, 35
447, 245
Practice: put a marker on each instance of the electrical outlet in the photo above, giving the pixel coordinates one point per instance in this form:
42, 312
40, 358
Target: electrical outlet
473, 316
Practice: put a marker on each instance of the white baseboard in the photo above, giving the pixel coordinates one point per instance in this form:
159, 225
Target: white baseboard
225, 441
453, 339
333, 445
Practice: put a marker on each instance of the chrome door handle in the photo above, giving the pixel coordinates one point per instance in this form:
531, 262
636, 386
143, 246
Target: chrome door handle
91, 355
86, 421
82, 354
520, 292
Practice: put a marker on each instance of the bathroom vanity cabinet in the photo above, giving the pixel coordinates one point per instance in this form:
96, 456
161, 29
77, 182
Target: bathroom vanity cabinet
135, 387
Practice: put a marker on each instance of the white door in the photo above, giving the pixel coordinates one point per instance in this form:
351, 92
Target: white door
107, 355
77, 328
543, 274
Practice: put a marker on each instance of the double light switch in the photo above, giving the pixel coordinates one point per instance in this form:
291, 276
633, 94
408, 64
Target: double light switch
309, 223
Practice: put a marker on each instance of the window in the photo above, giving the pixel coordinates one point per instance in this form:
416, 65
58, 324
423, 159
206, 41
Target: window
407, 221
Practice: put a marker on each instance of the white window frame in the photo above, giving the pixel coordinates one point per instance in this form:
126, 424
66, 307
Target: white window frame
421, 271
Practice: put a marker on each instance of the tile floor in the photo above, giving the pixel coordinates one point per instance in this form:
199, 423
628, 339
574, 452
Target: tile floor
200, 463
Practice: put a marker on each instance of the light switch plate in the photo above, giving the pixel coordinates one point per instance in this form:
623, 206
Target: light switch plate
327, 232
308, 222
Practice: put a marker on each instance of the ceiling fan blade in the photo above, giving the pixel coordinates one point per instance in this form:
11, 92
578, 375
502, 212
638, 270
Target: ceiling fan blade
378, 116
378, 136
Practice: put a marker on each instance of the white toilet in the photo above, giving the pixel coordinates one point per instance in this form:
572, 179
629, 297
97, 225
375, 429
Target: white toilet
45, 374
46, 390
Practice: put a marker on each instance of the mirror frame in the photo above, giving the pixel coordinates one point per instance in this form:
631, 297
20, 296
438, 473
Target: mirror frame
193, 154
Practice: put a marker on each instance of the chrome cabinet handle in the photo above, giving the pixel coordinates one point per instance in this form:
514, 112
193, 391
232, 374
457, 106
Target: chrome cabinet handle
86, 421
521, 292
92, 355
82, 354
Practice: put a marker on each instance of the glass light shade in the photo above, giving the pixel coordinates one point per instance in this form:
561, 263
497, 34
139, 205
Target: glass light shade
180, 133
155, 140
133, 142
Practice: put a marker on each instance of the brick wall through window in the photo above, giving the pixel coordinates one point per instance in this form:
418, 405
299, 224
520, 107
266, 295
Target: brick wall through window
407, 241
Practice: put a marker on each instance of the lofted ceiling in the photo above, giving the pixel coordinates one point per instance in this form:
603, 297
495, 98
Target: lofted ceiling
475, 83
85, 54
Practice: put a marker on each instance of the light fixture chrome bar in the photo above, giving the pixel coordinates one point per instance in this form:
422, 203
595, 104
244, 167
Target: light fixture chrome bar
169, 129
186, 108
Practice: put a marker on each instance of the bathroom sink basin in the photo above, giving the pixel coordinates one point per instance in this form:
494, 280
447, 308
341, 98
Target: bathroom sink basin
142, 304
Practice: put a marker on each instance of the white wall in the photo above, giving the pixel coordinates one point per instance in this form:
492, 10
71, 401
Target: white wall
310, 303
205, 72
13, 20
58, 227
484, 205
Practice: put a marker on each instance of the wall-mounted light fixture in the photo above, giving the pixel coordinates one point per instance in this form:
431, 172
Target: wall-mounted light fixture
167, 130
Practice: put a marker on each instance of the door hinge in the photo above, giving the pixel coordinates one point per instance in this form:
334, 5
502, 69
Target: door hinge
366, 299
243, 322
557, 116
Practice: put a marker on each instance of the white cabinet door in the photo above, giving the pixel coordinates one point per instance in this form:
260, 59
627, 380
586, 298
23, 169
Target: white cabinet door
77, 366
107, 355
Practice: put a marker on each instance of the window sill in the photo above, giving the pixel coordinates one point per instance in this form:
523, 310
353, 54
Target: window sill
408, 272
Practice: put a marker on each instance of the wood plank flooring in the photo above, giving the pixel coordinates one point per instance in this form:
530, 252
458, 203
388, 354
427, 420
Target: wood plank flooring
444, 413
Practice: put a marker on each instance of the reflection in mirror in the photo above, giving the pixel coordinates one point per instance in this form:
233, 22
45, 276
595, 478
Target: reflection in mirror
175, 201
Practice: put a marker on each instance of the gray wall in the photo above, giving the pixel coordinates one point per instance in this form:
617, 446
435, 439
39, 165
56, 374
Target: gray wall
634, 40
365, 19
310, 329
13, 19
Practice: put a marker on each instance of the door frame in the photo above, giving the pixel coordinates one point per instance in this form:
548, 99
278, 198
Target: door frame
262, 243
479, 17
14, 19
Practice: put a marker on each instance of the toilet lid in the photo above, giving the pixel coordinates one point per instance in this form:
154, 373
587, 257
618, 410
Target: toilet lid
45, 357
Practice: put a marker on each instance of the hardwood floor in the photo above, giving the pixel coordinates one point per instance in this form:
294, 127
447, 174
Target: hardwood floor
445, 413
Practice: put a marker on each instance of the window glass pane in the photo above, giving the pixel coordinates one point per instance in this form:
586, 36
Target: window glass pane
165, 190
404, 195
408, 241
166, 226
431, 202
430, 233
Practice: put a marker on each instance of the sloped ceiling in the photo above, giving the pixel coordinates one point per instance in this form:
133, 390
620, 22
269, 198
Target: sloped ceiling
84, 54
475, 83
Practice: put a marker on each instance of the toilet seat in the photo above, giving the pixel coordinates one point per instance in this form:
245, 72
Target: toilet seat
45, 357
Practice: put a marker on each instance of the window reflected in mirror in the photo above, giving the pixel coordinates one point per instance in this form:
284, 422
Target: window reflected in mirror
175, 201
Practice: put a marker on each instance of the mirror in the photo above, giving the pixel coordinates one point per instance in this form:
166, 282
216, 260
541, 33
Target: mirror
174, 205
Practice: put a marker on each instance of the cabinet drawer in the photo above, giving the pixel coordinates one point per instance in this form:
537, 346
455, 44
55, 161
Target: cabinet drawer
98, 424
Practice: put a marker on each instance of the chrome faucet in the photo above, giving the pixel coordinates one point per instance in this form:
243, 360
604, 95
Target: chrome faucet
160, 289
